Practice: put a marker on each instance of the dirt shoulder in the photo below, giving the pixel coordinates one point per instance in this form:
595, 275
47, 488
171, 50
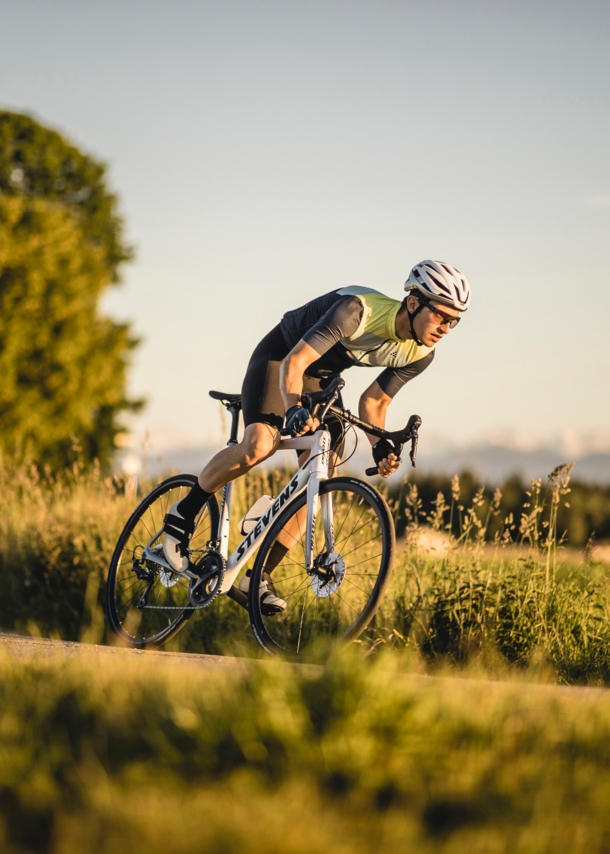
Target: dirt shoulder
21, 646
29, 647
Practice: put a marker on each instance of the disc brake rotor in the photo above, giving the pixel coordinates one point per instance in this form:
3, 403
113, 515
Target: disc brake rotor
328, 574
167, 577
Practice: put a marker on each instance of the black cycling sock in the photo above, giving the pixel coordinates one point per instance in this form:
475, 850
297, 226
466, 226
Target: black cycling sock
276, 555
192, 503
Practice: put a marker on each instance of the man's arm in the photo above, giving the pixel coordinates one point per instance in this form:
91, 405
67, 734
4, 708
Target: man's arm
372, 407
291, 372
342, 319
291, 377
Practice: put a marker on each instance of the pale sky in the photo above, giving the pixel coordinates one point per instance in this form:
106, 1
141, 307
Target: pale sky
268, 152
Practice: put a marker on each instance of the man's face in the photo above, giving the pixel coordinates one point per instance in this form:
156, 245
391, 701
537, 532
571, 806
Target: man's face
432, 322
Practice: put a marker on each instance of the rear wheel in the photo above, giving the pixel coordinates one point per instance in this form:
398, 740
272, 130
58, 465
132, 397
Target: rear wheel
146, 604
331, 604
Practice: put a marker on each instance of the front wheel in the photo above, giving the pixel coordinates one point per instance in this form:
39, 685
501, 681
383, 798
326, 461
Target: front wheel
146, 604
332, 603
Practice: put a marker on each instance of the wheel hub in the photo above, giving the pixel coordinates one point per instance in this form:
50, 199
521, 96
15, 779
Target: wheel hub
328, 574
166, 576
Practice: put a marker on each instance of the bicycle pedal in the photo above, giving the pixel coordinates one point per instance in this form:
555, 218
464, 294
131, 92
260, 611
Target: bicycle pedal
270, 610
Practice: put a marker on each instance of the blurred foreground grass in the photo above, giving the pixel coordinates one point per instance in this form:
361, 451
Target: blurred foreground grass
136, 752
497, 606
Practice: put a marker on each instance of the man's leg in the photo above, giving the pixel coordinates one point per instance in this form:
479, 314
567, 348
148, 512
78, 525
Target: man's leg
294, 530
263, 413
259, 442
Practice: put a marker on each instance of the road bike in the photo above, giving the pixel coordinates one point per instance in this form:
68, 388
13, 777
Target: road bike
340, 549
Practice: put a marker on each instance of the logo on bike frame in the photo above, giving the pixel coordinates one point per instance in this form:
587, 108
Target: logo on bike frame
268, 517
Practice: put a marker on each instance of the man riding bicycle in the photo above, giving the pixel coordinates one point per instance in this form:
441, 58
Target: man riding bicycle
313, 344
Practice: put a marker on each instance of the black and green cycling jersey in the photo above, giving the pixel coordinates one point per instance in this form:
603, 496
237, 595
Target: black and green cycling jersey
356, 326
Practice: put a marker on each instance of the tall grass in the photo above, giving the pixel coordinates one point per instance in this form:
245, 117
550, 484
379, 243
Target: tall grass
56, 538
137, 754
517, 600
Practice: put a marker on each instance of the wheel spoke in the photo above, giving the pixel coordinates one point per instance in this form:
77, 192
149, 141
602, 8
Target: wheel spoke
165, 612
324, 608
352, 532
361, 545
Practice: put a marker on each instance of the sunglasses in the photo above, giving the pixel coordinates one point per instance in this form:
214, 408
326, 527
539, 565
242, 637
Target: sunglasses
439, 316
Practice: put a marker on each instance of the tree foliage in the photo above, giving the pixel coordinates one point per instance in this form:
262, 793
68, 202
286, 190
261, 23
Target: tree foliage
63, 363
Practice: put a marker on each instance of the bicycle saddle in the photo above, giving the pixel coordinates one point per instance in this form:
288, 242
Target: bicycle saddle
229, 400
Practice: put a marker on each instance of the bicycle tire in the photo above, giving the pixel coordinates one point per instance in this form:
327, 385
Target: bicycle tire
153, 624
299, 633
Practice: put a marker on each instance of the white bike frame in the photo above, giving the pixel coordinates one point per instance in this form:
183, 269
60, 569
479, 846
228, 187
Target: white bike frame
309, 476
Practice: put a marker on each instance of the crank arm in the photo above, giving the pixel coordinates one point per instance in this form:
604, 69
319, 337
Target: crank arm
202, 578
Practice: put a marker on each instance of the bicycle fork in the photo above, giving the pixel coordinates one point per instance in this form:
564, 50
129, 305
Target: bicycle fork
319, 463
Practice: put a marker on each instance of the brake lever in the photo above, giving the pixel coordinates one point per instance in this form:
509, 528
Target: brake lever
414, 438
413, 451
330, 402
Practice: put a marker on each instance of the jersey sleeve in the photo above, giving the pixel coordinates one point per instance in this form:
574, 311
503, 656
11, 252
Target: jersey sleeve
392, 379
340, 321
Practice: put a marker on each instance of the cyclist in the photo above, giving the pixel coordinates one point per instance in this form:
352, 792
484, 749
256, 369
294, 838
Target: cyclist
353, 326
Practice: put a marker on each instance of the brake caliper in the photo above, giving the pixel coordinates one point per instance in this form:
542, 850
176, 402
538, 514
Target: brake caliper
328, 573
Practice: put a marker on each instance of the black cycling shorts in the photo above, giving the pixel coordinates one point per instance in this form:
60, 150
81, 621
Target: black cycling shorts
261, 399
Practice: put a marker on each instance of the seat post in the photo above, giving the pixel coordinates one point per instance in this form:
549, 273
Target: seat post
234, 410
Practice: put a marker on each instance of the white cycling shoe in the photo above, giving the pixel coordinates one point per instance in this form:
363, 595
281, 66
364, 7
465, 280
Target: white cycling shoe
178, 532
271, 603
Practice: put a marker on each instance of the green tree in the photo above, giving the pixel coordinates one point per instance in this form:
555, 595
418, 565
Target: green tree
63, 364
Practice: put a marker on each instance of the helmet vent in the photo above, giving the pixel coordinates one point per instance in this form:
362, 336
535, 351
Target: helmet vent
439, 280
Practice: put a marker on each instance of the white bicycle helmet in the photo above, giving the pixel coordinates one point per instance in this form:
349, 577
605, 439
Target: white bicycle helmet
442, 282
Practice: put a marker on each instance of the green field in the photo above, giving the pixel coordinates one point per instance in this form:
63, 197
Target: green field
139, 753
496, 606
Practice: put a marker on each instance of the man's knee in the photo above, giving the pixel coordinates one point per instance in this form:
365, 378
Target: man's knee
259, 443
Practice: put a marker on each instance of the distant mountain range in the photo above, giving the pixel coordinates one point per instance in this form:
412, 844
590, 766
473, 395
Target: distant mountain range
493, 463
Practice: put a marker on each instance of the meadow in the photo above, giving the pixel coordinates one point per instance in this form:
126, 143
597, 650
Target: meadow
470, 587
366, 754
138, 752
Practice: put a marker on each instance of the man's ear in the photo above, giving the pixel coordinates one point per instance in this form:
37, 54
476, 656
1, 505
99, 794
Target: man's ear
411, 303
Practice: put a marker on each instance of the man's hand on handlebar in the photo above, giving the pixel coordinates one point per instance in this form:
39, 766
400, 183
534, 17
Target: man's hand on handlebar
387, 461
388, 466
299, 421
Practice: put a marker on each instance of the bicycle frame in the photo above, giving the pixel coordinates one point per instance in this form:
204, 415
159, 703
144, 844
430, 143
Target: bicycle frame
309, 476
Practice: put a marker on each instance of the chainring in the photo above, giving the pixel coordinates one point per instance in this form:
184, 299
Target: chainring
211, 572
